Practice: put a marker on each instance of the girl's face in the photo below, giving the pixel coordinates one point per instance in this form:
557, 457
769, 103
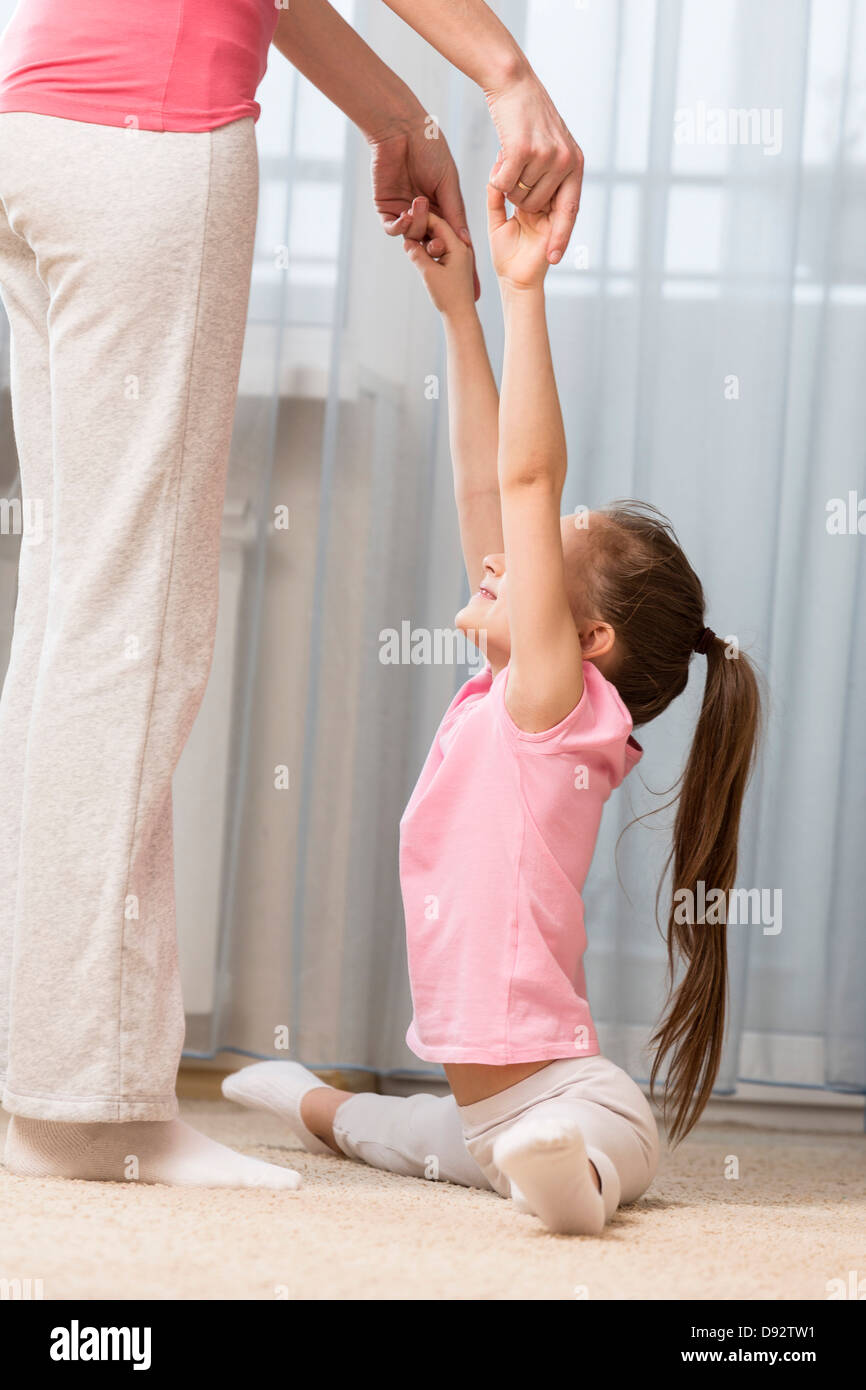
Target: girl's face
484, 620
485, 617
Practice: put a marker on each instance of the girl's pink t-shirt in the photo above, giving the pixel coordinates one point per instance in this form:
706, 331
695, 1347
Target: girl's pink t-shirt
495, 846
153, 65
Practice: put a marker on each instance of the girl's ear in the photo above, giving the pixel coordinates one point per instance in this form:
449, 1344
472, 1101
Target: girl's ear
596, 639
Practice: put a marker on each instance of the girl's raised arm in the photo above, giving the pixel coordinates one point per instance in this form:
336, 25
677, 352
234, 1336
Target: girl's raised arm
545, 679
473, 401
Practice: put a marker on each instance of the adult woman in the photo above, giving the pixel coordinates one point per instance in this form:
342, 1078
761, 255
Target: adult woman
128, 190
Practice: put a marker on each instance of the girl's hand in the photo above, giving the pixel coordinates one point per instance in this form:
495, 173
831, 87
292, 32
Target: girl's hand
518, 244
449, 274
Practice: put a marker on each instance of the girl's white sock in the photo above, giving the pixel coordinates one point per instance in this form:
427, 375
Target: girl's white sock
278, 1087
148, 1151
544, 1154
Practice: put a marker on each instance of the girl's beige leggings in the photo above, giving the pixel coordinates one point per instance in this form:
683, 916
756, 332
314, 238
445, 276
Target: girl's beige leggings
431, 1137
125, 260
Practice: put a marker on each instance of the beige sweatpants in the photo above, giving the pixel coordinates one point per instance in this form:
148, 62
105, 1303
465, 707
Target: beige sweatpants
125, 261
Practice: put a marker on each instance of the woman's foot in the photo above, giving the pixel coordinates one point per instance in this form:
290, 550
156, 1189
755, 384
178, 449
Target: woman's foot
297, 1096
545, 1157
148, 1151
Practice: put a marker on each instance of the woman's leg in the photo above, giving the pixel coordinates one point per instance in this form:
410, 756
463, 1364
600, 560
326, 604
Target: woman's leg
144, 244
25, 299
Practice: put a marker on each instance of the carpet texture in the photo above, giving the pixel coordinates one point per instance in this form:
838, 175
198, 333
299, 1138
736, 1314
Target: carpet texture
793, 1219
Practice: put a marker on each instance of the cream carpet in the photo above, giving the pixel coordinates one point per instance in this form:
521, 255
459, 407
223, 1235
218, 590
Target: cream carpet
793, 1220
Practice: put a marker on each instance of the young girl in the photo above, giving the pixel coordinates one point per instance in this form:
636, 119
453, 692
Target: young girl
588, 625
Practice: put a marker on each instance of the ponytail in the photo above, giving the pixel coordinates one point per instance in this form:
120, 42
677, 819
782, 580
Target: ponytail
643, 585
704, 851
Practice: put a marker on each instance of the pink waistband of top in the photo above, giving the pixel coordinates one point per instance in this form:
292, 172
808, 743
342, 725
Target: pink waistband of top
184, 65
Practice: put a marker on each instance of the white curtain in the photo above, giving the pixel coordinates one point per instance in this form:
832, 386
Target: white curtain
708, 330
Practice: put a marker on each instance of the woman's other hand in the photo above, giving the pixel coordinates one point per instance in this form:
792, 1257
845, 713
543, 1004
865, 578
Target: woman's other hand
414, 173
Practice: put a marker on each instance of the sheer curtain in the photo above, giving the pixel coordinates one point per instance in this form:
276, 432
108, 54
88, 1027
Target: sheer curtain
708, 330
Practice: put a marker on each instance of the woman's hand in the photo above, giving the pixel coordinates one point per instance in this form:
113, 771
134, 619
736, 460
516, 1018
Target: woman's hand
414, 175
450, 277
538, 152
519, 245
536, 149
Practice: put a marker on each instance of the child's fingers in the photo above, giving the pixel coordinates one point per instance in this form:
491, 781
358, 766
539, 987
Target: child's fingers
418, 255
443, 233
496, 214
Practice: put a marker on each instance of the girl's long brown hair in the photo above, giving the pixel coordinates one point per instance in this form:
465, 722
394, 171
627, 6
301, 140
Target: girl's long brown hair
646, 589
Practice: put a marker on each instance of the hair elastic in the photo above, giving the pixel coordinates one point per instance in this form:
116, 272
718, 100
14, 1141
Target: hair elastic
703, 642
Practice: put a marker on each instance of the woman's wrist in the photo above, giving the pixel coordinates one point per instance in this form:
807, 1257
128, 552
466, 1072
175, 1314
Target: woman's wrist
504, 68
395, 111
470, 35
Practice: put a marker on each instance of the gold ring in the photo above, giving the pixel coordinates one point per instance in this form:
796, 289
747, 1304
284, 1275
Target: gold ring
527, 187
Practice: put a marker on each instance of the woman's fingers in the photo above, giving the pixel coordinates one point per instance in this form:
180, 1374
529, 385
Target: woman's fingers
506, 172
563, 215
449, 201
411, 223
394, 227
543, 185
451, 205
540, 178
540, 165
399, 225
538, 173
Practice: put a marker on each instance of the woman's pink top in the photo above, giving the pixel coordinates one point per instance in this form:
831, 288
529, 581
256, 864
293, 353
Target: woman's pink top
148, 65
495, 846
